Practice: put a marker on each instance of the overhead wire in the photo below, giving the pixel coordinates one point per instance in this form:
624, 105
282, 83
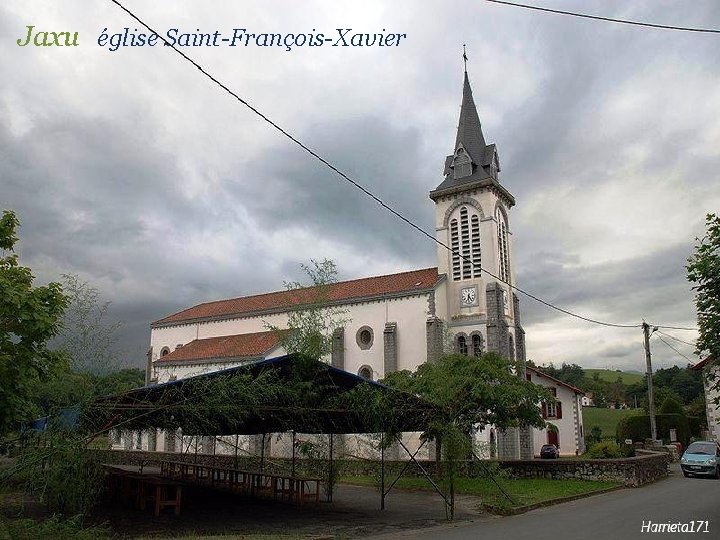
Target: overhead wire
363, 189
676, 339
674, 349
606, 19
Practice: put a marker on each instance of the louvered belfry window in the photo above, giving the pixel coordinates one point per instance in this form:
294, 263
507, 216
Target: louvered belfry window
465, 244
503, 257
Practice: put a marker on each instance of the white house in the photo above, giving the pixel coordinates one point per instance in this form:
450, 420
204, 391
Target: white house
565, 421
401, 320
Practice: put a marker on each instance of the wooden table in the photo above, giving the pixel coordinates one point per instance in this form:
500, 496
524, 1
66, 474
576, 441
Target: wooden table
280, 487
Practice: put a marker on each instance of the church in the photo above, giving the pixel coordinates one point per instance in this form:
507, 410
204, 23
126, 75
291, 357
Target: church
401, 320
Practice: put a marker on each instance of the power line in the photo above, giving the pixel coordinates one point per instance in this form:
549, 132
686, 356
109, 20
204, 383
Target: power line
674, 349
607, 19
357, 185
676, 339
674, 327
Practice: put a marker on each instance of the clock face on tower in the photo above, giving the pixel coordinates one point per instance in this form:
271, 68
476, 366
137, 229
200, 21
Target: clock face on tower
468, 296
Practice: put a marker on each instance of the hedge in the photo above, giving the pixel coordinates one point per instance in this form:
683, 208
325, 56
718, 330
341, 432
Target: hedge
637, 428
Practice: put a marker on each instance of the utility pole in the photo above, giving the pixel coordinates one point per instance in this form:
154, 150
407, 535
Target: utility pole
648, 365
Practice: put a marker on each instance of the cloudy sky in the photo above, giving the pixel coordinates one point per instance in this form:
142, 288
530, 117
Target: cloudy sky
132, 170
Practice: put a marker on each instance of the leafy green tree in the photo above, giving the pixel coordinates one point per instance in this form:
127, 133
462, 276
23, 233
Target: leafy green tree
86, 335
475, 391
704, 272
671, 406
29, 317
312, 321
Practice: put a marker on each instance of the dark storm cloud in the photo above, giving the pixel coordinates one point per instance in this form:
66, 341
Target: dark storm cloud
650, 286
296, 190
108, 194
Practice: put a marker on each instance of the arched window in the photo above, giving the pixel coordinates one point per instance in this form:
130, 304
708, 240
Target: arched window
366, 373
465, 244
477, 345
503, 257
511, 348
164, 351
462, 345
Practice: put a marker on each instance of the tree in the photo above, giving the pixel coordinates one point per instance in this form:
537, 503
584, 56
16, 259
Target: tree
704, 272
671, 406
313, 320
29, 317
86, 336
475, 391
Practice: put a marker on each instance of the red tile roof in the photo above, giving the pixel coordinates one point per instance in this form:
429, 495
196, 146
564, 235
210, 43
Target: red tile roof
240, 345
404, 282
702, 363
556, 381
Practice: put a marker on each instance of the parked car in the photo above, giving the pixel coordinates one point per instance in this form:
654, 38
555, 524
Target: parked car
703, 458
549, 451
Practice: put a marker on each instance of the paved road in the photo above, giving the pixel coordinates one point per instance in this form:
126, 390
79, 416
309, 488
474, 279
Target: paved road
617, 515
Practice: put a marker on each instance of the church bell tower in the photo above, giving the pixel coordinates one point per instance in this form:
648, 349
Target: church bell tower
472, 217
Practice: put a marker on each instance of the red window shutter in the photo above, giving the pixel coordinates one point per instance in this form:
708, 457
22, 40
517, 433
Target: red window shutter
559, 410
544, 410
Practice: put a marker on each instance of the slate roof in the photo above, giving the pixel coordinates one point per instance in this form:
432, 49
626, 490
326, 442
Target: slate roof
469, 134
253, 345
402, 284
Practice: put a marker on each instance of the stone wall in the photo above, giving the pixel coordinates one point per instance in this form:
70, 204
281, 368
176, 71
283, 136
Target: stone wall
633, 472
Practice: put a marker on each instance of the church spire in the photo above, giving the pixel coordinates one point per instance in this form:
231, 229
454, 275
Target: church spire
469, 132
473, 161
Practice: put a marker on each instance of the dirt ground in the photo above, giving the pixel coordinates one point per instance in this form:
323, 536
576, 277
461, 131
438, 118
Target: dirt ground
354, 512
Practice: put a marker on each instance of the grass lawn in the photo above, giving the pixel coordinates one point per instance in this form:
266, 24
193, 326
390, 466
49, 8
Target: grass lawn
606, 419
611, 376
522, 491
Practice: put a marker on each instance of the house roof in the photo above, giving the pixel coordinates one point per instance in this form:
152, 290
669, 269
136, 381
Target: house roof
402, 284
235, 346
556, 381
702, 363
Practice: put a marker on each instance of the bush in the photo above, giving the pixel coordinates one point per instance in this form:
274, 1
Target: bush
594, 436
696, 426
64, 476
671, 406
609, 450
637, 428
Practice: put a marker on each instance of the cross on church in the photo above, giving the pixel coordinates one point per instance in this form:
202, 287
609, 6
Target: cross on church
465, 58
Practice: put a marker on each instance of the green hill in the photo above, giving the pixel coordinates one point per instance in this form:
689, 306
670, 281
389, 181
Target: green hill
611, 376
606, 419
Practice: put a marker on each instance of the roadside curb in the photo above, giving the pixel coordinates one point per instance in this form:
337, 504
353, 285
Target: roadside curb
513, 511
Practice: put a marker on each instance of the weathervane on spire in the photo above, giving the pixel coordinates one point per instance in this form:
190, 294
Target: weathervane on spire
465, 58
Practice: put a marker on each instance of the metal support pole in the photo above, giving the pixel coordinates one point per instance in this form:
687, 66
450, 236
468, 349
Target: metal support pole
262, 454
382, 471
330, 471
648, 365
237, 446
